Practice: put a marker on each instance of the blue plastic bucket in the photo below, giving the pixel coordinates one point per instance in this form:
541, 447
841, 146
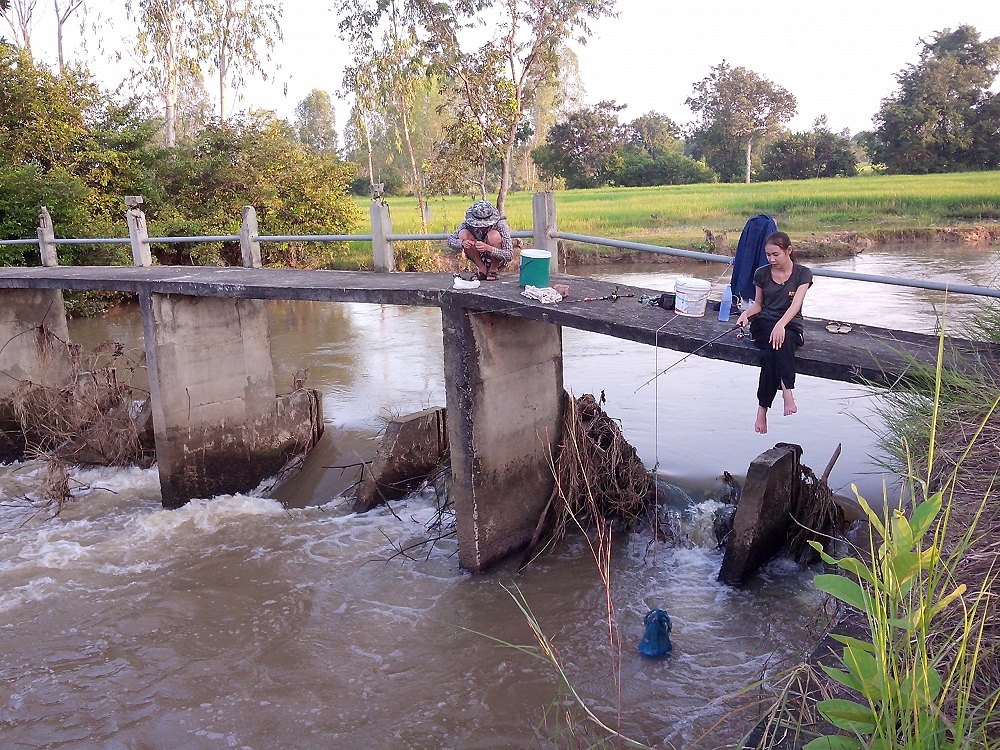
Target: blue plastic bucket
535, 267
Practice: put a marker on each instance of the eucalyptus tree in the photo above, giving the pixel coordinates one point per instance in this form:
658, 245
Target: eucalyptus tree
494, 80
736, 109
19, 16
315, 122
385, 71
64, 11
232, 34
524, 35
167, 40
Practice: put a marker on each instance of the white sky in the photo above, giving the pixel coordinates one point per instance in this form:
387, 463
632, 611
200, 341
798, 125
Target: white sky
838, 58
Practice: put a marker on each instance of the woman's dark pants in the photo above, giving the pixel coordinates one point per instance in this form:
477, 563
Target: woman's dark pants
777, 366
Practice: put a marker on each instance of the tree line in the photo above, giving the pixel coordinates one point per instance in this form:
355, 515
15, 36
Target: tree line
434, 110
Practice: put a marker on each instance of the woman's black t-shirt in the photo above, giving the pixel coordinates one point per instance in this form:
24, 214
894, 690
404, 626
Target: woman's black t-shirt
778, 297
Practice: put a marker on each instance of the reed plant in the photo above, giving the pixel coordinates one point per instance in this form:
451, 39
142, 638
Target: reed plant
927, 675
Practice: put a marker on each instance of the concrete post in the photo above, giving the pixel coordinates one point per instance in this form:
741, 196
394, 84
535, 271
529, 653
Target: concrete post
504, 387
46, 239
248, 238
141, 255
543, 224
383, 256
218, 424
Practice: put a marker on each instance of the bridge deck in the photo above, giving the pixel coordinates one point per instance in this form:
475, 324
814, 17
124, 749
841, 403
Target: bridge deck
867, 353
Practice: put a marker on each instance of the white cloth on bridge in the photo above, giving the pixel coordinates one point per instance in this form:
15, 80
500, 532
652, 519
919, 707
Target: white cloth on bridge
545, 295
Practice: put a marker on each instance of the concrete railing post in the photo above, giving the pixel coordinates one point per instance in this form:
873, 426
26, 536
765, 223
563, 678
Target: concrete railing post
383, 256
543, 224
46, 239
137, 232
249, 244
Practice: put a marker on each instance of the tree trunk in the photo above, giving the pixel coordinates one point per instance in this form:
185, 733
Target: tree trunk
746, 179
418, 187
59, 45
222, 86
368, 148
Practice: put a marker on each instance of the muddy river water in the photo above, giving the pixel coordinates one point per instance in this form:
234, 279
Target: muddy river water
262, 622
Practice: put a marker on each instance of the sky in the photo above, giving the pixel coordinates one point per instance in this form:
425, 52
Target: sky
838, 58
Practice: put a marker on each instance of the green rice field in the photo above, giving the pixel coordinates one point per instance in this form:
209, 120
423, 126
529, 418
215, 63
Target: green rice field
679, 214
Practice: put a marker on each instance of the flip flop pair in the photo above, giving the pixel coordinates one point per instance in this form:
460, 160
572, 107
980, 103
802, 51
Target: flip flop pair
835, 327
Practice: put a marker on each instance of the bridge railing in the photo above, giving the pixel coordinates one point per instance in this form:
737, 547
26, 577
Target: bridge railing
544, 233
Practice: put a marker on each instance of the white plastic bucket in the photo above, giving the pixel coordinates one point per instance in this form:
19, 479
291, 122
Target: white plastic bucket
692, 296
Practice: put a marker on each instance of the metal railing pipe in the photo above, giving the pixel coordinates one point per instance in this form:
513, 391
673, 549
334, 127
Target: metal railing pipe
176, 240
94, 241
939, 286
313, 238
625, 245
19, 242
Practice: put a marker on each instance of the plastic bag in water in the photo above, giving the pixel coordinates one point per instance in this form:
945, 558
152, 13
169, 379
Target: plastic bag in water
655, 641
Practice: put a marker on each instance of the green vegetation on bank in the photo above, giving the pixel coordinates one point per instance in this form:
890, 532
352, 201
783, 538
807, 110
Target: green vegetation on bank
678, 214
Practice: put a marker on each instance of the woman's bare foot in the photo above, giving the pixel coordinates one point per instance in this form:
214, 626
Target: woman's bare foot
760, 426
789, 398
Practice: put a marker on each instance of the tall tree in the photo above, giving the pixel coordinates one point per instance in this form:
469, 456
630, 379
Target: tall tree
316, 123
18, 15
232, 32
64, 11
386, 57
942, 117
167, 39
583, 148
523, 34
526, 37
737, 106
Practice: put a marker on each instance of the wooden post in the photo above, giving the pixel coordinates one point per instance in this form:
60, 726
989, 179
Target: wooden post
137, 232
249, 244
543, 224
383, 256
46, 239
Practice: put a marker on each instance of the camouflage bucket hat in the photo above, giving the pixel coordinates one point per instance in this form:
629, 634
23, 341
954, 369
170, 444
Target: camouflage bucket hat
482, 214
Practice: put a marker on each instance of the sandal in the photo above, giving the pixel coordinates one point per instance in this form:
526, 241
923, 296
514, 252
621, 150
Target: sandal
490, 276
835, 327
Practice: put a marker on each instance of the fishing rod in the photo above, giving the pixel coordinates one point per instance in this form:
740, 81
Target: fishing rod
740, 335
613, 297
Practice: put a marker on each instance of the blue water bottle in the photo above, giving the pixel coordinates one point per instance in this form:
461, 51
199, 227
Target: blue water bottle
726, 305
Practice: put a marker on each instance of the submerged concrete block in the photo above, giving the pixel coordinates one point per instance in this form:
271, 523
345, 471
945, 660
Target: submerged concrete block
763, 516
34, 350
219, 426
504, 386
411, 448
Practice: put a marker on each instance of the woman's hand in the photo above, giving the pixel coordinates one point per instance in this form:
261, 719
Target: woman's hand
742, 320
468, 244
778, 335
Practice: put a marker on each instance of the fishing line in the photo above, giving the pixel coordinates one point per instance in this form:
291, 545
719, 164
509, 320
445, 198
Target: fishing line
689, 354
656, 395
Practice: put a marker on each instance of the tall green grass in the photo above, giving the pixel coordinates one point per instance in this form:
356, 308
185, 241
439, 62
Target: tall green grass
678, 214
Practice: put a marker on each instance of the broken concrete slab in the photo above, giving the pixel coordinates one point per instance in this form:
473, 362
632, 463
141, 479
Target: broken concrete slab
411, 448
763, 516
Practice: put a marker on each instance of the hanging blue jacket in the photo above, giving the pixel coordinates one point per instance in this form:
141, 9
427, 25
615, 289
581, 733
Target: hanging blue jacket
750, 254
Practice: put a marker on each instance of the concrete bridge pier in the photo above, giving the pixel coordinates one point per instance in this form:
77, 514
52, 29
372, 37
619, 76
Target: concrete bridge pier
34, 349
218, 423
504, 388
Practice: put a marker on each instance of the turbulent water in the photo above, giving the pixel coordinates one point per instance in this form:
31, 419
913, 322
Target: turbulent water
246, 622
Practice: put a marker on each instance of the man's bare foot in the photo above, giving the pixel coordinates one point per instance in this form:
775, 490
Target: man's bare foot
760, 426
789, 398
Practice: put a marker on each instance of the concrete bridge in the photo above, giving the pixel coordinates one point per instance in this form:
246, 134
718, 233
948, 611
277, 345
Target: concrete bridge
220, 426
